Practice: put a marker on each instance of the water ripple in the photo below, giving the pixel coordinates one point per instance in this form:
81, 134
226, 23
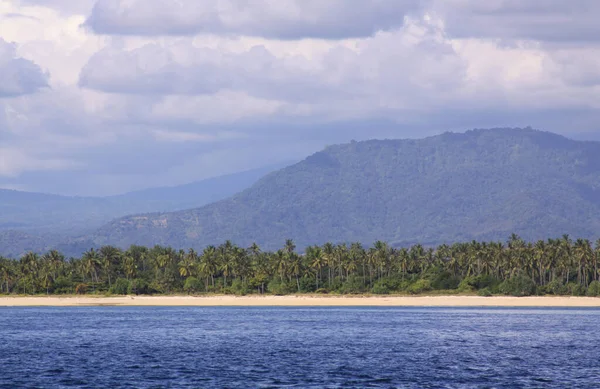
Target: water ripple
194, 347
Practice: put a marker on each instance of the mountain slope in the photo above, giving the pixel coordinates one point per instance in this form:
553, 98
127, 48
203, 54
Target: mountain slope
38, 213
483, 184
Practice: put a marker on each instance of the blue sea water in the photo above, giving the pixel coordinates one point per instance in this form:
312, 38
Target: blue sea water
260, 347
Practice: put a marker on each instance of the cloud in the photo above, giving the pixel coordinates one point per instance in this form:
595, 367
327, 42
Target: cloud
399, 67
152, 70
274, 19
546, 21
166, 92
70, 7
14, 162
18, 76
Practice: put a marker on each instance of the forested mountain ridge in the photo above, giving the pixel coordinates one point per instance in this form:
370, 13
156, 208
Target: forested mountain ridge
482, 184
39, 214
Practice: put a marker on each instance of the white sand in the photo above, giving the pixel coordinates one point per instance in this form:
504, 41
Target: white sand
304, 300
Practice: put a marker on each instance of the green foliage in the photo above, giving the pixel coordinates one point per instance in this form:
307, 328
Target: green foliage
468, 284
518, 285
556, 287
307, 284
81, 289
63, 285
473, 283
387, 285
121, 286
485, 292
593, 289
445, 281
481, 267
138, 286
279, 288
238, 287
353, 285
575, 289
52, 214
193, 285
447, 188
419, 286
380, 288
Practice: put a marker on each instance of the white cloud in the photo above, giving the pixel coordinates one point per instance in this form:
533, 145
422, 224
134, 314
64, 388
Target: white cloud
18, 76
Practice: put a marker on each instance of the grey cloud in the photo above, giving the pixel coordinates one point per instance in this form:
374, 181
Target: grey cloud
151, 70
384, 67
82, 7
547, 21
18, 76
278, 19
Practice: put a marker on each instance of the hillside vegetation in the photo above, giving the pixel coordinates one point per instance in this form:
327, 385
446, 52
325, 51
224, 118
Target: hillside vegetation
482, 184
28, 214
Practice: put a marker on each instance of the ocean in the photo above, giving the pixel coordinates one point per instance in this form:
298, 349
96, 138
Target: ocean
266, 347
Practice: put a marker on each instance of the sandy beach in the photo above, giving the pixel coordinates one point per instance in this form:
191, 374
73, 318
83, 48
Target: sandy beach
304, 300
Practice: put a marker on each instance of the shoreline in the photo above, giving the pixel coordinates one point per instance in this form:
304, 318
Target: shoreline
302, 300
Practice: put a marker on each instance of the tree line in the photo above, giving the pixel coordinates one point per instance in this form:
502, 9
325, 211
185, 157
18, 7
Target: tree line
555, 266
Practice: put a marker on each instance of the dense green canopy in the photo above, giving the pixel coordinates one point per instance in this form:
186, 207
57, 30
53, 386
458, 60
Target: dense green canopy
483, 184
555, 266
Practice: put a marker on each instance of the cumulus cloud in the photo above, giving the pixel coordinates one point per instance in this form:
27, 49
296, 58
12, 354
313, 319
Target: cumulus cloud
397, 68
276, 19
18, 76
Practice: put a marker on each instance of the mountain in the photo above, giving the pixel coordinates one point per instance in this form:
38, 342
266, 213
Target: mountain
38, 213
482, 184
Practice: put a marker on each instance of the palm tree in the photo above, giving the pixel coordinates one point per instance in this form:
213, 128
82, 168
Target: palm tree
188, 263
316, 261
208, 264
129, 265
109, 256
30, 266
91, 263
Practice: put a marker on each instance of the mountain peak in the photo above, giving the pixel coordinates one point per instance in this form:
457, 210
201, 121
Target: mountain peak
481, 184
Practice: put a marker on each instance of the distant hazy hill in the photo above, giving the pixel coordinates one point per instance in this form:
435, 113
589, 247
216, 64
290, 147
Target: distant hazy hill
483, 184
42, 213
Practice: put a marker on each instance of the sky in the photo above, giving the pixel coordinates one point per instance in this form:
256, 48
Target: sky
100, 97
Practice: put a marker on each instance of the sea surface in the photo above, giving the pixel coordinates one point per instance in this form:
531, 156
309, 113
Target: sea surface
263, 347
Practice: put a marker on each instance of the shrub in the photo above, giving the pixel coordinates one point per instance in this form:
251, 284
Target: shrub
81, 289
239, 288
353, 285
62, 285
467, 284
193, 285
419, 286
485, 292
322, 291
380, 288
518, 285
576, 289
594, 289
279, 288
307, 284
556, 287
470, 284
138, 286
445, 281
121, 286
